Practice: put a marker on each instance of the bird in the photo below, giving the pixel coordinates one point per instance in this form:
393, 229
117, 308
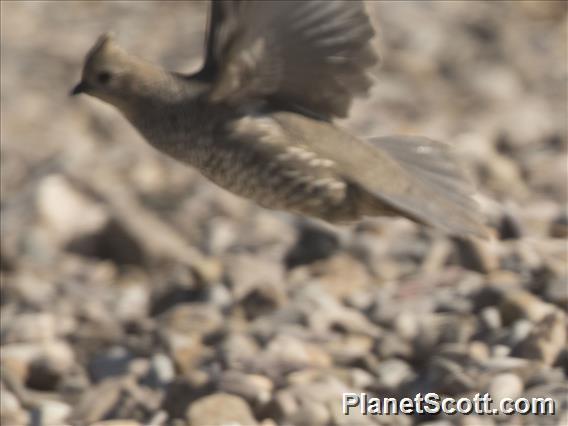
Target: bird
259, 117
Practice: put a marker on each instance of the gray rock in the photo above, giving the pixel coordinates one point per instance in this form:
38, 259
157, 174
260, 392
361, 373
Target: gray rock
114, 362
521, 304
247, 273
11, 411
30, 327
546, 341
505, 385
193, 318
310, 413
162, 370
53, 412
220, 409
252, 387
238, 350
490, 318
393, 374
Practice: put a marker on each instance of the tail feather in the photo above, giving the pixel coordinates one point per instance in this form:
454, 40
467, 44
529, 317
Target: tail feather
441, 193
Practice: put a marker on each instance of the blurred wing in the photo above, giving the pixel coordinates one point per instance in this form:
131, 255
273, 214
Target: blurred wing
311, 56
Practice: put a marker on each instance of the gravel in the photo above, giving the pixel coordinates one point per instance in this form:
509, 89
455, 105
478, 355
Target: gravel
136, 293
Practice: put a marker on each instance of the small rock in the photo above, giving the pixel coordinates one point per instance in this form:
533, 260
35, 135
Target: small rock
289, 352
490, 318
349, 349
11, 411
310, 413
238, 349
520, 329
247, 273
341, 275
505, 385
546, 341
54, 412
406, 325
477, 255
392, 374
557, 291
390, 345
66, 212
448, 377
559, 226
220, 409
30, 327
41, 366
113, 362
187, 351
314, 243
193, 318
522, 304
98, 402
478, 351
162, 370
252, 387
132, 302
500, 351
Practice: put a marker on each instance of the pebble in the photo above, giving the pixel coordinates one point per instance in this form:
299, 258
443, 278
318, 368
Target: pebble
505, 385
546, 341
220, 409
522, 304
252, 387
54, 412
392, 374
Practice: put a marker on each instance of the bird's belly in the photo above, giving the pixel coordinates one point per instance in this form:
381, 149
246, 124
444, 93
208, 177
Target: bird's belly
291, 190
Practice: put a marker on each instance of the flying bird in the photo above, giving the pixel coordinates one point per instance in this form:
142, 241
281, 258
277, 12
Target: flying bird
258, 118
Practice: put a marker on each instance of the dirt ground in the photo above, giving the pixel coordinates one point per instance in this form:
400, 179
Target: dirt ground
134, 289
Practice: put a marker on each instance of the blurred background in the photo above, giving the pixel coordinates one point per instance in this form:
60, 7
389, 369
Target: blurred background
131, 288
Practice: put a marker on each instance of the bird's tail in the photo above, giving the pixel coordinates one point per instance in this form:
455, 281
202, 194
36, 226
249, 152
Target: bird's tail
442, 195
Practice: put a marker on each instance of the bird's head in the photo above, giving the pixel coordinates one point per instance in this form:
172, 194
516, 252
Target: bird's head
106, 70
115, 76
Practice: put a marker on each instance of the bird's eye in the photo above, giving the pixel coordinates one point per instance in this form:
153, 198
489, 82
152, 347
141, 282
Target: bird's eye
104, 77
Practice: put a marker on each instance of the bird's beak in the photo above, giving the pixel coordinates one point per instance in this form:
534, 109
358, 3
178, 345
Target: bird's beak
78, 89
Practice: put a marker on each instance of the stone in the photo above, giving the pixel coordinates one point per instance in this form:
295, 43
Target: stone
11, 411
252, 387
341, 275
40, 365
546, 341
111, 363
393, 374
192, 318
162, 370
522, 304
477, 255
65, 211
505, 385
490, 318
30, 327
247, 273
220, 409
54, 412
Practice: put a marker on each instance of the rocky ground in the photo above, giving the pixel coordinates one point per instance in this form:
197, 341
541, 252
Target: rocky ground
133, 289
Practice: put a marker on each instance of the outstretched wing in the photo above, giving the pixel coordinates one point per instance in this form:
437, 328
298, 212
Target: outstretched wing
413, 176
311, 56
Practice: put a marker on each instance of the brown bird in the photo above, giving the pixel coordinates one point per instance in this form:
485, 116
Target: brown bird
257, 119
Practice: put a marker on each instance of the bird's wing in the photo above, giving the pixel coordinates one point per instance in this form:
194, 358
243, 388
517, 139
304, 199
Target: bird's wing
311, 56
218, 14
415, 176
